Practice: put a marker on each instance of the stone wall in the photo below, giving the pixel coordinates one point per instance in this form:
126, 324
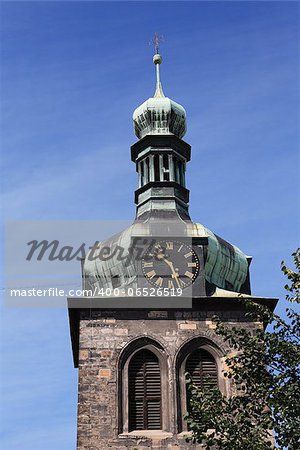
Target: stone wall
104, 337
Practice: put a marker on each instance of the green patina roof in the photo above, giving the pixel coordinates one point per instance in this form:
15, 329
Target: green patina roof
226, 266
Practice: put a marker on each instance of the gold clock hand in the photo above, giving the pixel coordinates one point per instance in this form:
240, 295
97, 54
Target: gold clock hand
175, 275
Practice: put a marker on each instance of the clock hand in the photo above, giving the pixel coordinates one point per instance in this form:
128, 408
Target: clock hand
161, 255
175, 275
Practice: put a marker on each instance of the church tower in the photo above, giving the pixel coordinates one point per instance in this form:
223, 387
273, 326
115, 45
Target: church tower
157, 285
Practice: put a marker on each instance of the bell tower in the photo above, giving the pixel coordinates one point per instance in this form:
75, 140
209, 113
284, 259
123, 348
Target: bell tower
160, 154
151, 320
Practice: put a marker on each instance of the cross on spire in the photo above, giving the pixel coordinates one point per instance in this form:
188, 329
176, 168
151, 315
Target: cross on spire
157, 39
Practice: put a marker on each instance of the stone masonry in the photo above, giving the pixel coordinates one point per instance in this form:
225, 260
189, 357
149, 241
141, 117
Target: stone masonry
101, 339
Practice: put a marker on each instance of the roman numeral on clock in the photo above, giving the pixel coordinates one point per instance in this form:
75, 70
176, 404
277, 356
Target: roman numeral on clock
189, 274
148, 264
159, 281
169, 245
192, 264
170, 284
151, 274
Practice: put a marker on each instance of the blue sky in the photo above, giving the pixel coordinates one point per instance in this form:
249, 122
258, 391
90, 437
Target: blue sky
72, 75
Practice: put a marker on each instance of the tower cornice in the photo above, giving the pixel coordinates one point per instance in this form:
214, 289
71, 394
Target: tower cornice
160, 142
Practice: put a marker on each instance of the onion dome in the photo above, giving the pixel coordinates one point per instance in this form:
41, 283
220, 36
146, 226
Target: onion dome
226, 266
159, 114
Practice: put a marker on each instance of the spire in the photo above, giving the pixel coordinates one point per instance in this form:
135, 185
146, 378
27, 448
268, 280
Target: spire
157, 59
159, 114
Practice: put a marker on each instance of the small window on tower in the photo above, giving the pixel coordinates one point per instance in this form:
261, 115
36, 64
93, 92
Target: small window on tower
177, 170
181, 176
147, 174
166, 161
166, 167
142, 173
156, 168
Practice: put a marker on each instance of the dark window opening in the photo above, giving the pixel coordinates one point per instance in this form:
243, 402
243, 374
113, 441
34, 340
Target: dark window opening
166, 176
144, 389
147, 174
156, 168
202, 368
166, 161
180, 168
142, 173
177, 173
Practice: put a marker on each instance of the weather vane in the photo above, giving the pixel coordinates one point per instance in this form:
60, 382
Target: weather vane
157, 39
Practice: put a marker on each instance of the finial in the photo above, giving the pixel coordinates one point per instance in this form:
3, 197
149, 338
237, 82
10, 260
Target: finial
157, 59
157, 39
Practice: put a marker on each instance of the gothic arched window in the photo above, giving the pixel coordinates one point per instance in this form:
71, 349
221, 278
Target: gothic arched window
144, 391
203, 360
202, 367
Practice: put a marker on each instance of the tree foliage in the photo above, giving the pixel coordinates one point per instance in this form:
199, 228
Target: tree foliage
264, 369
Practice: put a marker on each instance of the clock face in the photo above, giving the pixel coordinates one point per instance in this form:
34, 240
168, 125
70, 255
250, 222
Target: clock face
170, 264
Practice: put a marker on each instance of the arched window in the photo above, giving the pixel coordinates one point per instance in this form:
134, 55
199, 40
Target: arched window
144, 392
202, 367
143, 387
202, 359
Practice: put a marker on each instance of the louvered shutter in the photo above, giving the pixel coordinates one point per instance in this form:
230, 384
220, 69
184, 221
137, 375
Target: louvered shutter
144, 392
202, 367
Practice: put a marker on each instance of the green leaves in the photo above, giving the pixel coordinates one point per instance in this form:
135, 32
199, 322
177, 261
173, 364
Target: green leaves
264, 370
